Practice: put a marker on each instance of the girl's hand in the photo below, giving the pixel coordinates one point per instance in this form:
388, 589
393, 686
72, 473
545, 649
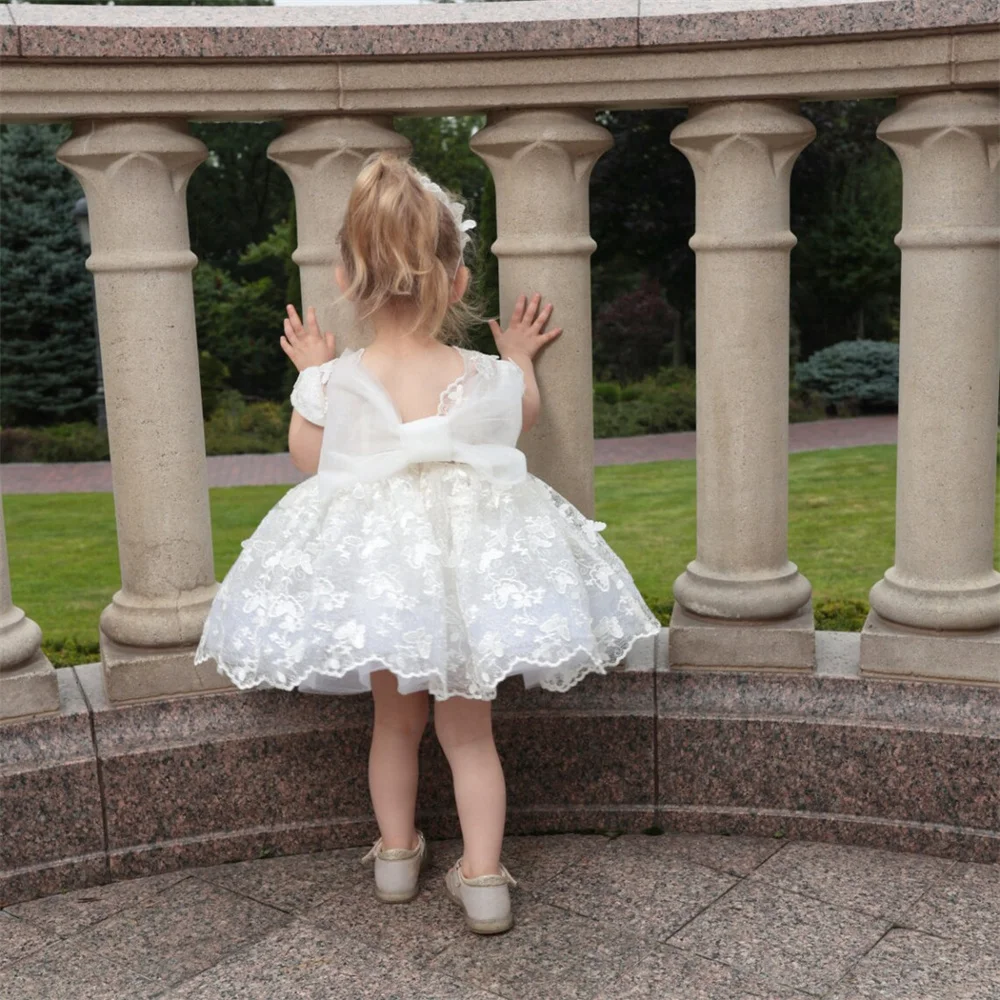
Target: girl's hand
526, 335
305, 345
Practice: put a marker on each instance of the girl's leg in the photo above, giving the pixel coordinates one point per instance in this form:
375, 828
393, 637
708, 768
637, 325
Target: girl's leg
400, 720
465, 731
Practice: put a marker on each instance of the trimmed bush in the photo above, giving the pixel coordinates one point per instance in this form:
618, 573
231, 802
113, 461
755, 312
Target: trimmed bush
840, 616
237, 427
659, 403
853, 375
80, 442
71, 652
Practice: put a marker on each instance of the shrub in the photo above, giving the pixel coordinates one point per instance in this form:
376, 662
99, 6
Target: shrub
634, 334
840, 616
80, 442
854, 374
607, 392
237, 427
71, 652
659, 403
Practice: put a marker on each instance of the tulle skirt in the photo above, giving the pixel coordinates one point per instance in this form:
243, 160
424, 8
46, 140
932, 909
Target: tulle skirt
436, 574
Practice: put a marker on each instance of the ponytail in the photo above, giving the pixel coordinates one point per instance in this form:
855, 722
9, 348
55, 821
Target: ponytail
400, 246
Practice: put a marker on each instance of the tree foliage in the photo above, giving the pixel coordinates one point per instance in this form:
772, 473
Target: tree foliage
48, 366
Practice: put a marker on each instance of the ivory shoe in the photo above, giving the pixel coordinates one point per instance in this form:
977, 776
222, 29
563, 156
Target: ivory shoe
397, 870
485, 899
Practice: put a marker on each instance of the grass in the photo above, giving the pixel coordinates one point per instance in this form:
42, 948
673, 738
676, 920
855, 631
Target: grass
64, 555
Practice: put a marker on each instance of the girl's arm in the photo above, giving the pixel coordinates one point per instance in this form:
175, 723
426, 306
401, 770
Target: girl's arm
304, 441
308, 348
520, 342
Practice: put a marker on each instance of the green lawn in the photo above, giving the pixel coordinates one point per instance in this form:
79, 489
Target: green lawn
64, 558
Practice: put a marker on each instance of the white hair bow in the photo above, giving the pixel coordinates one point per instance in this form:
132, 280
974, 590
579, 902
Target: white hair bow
456, 208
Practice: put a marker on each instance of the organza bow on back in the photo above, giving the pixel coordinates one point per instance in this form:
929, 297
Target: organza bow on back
365, 439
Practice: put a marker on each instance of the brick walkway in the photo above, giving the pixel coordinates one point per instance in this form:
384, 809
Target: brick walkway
674, 917
266, 470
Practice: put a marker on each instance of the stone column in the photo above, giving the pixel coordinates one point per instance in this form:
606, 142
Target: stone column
741, 603
936, 613
322, 157
135, 175
541, 163
27, 680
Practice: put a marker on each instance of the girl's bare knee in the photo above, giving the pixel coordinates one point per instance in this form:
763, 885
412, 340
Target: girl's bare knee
405, 714
462, 721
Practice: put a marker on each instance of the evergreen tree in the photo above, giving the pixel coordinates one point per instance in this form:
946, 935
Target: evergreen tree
48, 366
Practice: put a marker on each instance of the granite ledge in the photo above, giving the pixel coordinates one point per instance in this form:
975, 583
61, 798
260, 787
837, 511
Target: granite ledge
8, 34
191, 33
68, 32
667, 23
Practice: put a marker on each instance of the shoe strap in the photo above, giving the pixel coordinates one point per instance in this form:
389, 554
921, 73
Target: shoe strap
377, 850
503, 874
373, 853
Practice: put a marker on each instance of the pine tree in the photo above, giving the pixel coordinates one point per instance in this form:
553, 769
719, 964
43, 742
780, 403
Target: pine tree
48, 364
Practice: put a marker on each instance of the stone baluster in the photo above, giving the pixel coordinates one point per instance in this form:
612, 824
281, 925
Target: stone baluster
135, 174
541, 163
936, 612
741, 603
27, 679
322, 157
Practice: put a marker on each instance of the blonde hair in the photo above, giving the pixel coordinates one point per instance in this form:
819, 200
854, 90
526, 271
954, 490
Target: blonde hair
401, 246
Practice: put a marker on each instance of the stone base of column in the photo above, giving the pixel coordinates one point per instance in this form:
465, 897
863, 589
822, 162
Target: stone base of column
135, 673
713, 643
890, 650
30, 689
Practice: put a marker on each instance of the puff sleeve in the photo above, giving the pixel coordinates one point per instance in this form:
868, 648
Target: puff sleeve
309, 393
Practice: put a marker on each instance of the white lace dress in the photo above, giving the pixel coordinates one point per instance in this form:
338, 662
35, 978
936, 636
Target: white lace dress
424, 548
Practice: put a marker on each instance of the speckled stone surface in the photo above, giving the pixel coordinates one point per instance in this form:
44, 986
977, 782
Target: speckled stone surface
8, 33
639, 886
68, 970
964, 902
681, 22
51, 831
18, 938
70, 912
310, 32
533, 961
310, 927
791, 939
229, 777
180, 931
303, 960
908, 766
224, 777
531, 26
848, 770
906, 964
879, 883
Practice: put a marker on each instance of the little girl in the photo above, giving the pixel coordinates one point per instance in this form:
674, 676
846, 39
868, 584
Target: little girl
422, 558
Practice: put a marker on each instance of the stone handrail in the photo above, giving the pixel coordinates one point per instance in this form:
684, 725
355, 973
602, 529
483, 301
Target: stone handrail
130, 78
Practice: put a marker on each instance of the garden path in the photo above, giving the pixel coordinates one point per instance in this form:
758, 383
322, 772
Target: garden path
267, 470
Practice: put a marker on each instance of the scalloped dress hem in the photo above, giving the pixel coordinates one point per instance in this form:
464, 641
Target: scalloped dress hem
549, 676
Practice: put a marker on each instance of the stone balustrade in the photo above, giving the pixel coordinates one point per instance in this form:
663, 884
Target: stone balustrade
129, 79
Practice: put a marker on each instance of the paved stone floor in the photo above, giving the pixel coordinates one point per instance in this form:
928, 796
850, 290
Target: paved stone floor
267, 470
671, 917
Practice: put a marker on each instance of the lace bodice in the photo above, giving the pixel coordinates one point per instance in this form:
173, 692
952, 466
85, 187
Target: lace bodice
477, 422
